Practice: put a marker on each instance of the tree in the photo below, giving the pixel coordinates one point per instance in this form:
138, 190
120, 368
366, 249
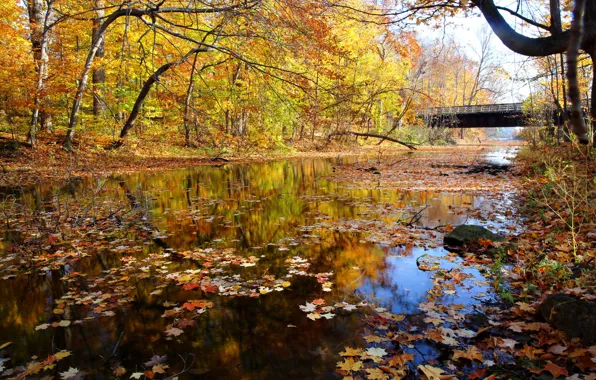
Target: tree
40, 15
551, 38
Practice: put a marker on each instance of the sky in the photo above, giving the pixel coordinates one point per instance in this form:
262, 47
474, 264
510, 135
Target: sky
467, 30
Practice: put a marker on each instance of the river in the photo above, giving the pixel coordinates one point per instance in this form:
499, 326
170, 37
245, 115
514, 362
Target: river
123, 258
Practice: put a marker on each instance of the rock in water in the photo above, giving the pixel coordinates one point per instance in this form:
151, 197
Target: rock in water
574, 316
468, 235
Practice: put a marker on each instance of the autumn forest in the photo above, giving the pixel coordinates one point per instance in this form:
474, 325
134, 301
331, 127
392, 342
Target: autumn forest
276, 189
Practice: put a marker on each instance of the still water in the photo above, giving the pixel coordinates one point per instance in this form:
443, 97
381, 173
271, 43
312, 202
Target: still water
269, 216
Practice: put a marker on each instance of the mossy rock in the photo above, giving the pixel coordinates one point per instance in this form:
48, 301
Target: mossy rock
574, 316
466, 236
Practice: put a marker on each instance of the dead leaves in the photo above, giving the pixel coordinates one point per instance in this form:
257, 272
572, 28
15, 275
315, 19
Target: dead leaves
350, 351
400, 360
554, 370
433, 373
471, 353
350, 365
173, 331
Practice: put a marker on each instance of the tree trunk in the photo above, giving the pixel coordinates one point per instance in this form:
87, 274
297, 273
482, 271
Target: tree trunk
39, 20
99, 74
187, 103
145, 91
76, 105
577, 119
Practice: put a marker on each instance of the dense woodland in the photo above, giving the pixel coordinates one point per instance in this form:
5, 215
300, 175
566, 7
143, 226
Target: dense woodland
261, 72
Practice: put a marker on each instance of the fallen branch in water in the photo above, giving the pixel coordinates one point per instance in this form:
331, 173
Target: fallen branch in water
362, 134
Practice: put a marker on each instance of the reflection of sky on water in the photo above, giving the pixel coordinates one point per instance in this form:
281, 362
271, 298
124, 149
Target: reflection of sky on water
404, 286
500, 156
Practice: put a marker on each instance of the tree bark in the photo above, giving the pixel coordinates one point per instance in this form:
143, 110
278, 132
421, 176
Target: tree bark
39, 20
577, 118
187, 103
99, 74
517, 42
76, 106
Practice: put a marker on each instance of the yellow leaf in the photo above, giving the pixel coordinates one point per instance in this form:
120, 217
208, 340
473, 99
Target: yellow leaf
472, 353
62, 354
350, 365
352, 352
432, 373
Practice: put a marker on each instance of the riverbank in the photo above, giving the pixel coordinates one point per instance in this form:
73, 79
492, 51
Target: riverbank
24, 166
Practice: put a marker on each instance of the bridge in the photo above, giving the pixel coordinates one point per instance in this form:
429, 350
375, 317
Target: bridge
480, 116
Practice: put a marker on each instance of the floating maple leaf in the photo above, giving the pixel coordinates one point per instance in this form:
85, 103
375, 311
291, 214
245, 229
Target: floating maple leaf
376, 351
160, 368
373, 339
173, 331
529, 352
308, 308
72, 372
119, 371
400, 360
432, 373
472, 353
375, 374
349, 351
554, 369
350, 364
508, 344
62, 354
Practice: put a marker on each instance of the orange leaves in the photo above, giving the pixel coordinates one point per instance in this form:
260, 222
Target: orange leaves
530, 352
200, 304
190, 286
471, 353
400, 360
554, 370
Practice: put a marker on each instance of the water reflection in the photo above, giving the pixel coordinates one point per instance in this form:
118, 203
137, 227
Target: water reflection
255, 209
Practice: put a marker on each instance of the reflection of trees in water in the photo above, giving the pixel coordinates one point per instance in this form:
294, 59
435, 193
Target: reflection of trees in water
255, 205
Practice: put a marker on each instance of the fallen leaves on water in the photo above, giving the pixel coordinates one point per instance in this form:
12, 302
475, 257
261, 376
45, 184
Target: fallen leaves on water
350, 351
72, 372
350, 364
433, 373
472, 353
554, 370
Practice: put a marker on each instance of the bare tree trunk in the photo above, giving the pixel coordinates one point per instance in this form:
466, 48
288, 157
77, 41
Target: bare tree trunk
99, 74
187, 102
577, 120
76, 106
134, 113
39, 20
